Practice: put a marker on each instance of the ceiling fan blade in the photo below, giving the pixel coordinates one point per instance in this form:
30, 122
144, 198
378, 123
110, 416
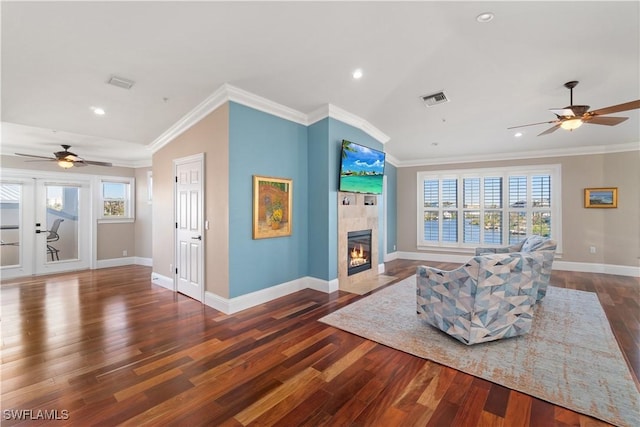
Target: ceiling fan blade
533, 124
43, 160
91, 162
37, 157
551, 129
79, 163
562, 112
632, 105
608, 121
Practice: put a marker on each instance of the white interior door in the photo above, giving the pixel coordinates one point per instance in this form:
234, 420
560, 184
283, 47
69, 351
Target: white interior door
45, 226
189, 210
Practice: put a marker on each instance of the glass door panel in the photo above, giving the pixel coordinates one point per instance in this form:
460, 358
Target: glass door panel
62, 226
62, 230
10, 224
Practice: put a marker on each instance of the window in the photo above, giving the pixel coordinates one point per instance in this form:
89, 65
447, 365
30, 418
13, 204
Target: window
116, 199
497, 206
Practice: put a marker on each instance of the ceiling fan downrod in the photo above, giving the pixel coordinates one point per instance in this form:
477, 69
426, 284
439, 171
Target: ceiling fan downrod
570, 85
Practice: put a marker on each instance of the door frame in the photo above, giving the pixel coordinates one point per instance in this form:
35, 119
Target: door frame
200, 157
28, 175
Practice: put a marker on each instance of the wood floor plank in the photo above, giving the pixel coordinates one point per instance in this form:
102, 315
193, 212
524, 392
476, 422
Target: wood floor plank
112, 348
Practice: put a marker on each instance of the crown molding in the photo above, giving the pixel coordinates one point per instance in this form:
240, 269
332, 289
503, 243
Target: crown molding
391, 160
227, 92
215, 100
560, 152
265, 105
344, 116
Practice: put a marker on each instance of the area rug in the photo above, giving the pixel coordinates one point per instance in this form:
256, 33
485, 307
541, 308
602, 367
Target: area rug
569, 358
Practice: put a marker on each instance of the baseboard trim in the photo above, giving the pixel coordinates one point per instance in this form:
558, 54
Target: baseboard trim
115, 262
243, 302
326, 286
164, 281
147, 262
391, 257
584, 267
119, 262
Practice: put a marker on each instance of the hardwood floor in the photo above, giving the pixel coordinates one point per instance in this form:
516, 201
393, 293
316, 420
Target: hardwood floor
107, 347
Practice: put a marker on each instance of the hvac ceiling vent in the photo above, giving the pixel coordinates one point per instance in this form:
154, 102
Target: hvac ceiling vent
435, 99
121, 82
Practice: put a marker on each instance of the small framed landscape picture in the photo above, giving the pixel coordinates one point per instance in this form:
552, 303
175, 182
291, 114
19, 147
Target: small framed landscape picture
272, 207
601, 197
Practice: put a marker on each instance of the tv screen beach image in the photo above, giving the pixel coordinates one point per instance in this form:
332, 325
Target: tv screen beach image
362, 169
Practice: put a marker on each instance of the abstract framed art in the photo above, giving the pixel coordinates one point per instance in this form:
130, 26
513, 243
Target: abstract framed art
272, 207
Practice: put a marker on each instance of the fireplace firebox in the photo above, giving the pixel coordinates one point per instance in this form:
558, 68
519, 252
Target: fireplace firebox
358, 251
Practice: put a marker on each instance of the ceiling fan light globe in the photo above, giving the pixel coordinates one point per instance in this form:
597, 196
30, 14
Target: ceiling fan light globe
65, 164
571, 124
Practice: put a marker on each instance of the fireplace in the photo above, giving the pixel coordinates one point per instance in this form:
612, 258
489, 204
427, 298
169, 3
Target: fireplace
358, 251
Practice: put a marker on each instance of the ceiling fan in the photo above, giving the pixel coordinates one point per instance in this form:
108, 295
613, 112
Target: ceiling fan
66, 159
573, 116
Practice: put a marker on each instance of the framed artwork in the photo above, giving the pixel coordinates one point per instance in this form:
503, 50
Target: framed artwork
272, 207
601, 197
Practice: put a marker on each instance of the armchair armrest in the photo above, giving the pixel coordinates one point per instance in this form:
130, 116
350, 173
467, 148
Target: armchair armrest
452, 284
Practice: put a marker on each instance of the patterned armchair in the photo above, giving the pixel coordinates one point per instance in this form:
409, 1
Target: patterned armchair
532, 243
491, 297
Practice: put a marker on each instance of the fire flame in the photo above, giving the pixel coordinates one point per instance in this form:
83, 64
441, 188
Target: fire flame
357, 257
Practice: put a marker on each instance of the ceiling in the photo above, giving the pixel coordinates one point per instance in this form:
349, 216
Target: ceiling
57, 57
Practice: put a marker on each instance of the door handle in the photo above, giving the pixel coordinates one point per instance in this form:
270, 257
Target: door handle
197, 238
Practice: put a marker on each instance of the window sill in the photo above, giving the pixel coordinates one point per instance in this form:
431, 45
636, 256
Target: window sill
116, 220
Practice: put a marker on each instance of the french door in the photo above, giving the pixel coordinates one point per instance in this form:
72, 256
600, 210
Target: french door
45, 226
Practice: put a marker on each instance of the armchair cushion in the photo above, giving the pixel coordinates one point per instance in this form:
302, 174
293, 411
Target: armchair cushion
489, 298
532, 243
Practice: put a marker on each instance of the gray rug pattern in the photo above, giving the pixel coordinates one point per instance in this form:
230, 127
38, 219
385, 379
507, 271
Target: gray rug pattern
569, 358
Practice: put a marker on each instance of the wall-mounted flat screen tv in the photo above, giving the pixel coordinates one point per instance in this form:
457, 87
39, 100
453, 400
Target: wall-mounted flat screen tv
361, 169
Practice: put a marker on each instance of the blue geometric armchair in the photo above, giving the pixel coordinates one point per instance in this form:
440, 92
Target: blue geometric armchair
490, 297
532, 243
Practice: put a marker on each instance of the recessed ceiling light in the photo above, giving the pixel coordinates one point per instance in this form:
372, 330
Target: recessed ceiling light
357, 74
98, 111
484, 17
518, 134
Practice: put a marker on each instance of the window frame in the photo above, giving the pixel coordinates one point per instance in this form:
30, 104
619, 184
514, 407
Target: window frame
554, 171
129, 203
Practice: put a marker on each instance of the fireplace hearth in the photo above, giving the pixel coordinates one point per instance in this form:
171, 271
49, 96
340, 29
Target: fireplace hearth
358, 251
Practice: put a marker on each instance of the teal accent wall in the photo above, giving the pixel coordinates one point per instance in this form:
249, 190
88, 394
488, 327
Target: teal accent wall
320, 172
263, 144
392, 206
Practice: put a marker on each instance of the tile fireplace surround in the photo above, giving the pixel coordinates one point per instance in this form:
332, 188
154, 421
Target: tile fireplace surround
356, 212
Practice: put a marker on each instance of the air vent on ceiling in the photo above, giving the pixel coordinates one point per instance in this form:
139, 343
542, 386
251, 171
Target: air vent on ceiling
434, 99
121, 82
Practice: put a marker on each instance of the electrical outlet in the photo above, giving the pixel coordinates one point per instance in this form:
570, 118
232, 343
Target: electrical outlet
124, 253
592, 249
